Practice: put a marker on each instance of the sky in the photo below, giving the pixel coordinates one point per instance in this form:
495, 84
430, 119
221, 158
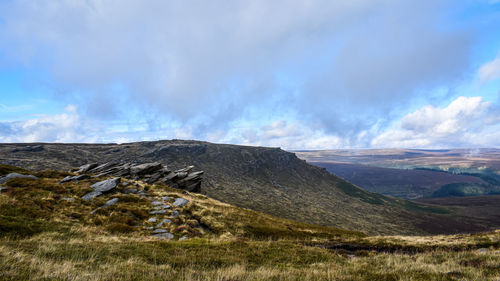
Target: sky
316, 74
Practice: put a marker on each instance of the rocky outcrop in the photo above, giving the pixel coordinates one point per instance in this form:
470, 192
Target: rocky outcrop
147, 172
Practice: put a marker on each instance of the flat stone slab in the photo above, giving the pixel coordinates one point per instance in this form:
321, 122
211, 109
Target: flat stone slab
163, 221
146, 168
91, 195
75, 178
175, 214
158, 212
152, 220
180, 202
105, 185
159, 230
166, 236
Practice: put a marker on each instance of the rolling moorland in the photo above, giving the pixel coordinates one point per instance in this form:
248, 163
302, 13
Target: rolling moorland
411, 173
267, 180
48, 231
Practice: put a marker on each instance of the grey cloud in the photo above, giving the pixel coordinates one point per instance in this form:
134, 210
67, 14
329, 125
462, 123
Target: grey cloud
205, 63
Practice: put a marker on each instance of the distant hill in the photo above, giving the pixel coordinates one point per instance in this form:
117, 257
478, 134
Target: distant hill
414, 173
402, 183
264, 179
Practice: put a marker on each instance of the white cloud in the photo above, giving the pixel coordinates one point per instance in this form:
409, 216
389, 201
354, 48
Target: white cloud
205, 63
64, 127
490, 70
465, 122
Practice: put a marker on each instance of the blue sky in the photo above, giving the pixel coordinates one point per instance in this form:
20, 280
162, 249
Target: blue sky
312, 74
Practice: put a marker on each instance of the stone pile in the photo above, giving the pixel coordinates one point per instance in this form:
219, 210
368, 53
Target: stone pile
148, 172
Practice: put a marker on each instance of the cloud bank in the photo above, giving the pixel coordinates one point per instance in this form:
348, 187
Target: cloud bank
196, 69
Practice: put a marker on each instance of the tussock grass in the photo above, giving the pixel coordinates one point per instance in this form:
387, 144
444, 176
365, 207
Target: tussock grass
43, 237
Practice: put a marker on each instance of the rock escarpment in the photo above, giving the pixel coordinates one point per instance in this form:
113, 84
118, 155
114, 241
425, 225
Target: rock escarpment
147, 172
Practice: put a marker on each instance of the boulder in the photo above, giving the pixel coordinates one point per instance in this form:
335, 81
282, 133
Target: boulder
87, 167
91, 195
103, 167
105, 185
166, 236
15, 176
147, 168
131, 190
180, 202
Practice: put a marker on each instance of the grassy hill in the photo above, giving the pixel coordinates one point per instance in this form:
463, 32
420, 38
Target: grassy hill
267, 180
47, 232
402, 183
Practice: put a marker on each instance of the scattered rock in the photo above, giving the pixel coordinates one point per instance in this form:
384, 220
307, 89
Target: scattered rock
107, 204
180, 202
162, 222
105, 185
174, 214
149, 228
158, 212
183, 238
110, 202
166, 198
91, 195
166, 236
130, 190
68, 199
14, 176
482, 250
160, 230
75, 178
152, 220
157, 203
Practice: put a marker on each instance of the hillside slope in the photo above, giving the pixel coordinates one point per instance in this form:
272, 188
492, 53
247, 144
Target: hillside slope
262, 179
49, 232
